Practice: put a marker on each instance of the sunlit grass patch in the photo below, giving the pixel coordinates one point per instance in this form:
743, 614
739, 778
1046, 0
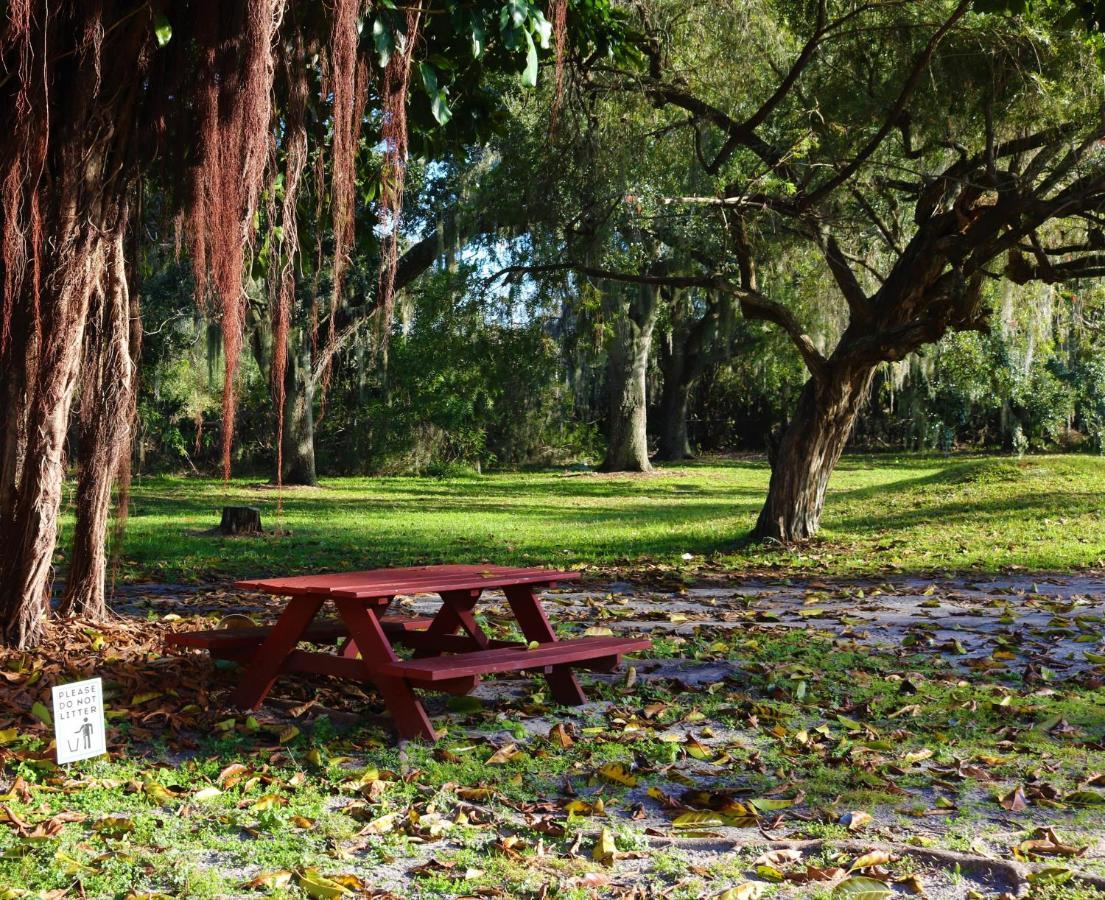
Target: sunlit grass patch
884, 513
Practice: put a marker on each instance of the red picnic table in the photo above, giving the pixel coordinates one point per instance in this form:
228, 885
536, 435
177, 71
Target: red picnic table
449, 651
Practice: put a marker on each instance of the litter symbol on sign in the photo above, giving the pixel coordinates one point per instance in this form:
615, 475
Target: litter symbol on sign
79, 727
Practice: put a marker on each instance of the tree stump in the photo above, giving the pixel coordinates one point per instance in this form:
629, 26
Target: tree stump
241, 520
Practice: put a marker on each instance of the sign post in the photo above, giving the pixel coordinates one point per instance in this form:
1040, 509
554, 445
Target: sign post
79, 725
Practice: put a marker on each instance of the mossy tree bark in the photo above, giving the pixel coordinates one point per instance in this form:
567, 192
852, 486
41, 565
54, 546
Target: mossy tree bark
633, 312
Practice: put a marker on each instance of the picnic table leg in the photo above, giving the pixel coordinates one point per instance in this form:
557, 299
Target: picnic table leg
535, 626
456, 613
261, 671
404, 706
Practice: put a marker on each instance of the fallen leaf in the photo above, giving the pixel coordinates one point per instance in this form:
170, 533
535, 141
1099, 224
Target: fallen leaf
503, 755
605, 849
778, 857
856, 819
861, 888
870, 860
748, 890
616, 773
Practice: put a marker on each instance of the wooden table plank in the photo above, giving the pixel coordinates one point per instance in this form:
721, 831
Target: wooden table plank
510, 659
390, 582
380, 576
460, 583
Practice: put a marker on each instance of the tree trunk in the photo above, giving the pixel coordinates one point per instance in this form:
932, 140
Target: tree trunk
241, 520
808, 452
30, 533
298, 436
104, 435
626, 383
700, 334
13, 420
674, 402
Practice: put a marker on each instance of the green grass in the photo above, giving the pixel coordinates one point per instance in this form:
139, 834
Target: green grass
907, 512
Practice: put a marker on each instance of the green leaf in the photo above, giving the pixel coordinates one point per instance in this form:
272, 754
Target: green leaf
529, 75
439, 106
1051, 875
861, 888
162, 29
439, 103
383, 40
769, 804
429, 77
40, 712
479, 39
1085, 798
465, 704
542, 27
1013, 7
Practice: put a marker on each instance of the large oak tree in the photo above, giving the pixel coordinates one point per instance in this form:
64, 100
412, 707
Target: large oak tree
922, 150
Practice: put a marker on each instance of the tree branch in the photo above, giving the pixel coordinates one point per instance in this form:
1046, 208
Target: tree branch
920, 65
854, 296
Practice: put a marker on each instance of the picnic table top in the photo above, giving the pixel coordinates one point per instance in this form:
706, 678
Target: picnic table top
386, 583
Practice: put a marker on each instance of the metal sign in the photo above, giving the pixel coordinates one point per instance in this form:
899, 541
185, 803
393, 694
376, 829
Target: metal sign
79, 725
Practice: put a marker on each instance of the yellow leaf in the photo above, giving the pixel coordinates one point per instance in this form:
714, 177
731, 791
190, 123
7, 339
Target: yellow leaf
559, 735
349, 881
697, 749
605, 849
869, 860
616, 772
855, 820
584, 808
234, 771
503, 755
777, 857
748, 890
158, 792
315, 885
207, 793
113, 826
290, 733
268, 801
697, 820
860, 888
382, 825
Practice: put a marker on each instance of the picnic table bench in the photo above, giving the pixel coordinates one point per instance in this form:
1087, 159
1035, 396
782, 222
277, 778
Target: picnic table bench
449, 651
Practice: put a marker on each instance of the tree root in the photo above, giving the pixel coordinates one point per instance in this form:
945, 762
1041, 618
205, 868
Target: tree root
1006, 875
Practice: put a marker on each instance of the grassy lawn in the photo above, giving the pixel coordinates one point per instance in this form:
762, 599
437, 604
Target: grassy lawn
892, 512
